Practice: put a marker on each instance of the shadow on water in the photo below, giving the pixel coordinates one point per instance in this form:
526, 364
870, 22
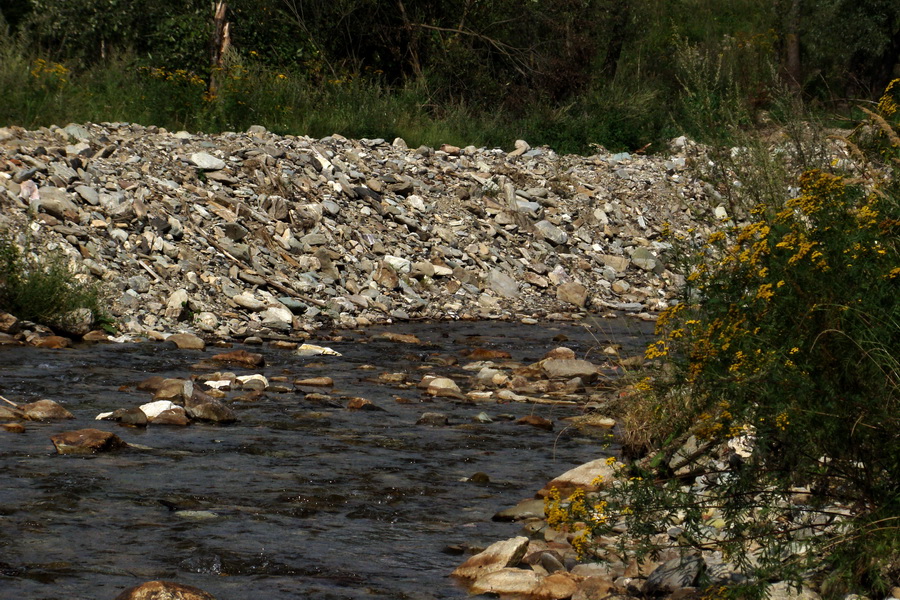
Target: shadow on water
299, 498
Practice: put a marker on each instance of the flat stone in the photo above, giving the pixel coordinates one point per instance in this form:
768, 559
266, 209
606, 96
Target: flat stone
86, 441
643, 258
502, 284
153, 409
551, 232
520, 583
562, 368
527, 509
186, 341
315, 382
241, 357
590, 476
207, 162
53, 341
499, 555
174, 416
213, 411
249, 301
443, 386
572, 292
619, 263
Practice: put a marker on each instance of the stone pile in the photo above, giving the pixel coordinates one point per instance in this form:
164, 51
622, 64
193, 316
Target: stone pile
252, 233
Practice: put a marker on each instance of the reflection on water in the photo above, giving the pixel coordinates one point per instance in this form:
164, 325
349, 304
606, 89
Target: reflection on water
299, 498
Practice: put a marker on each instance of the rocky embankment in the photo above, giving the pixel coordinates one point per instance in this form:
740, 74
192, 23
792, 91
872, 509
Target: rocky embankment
252, 233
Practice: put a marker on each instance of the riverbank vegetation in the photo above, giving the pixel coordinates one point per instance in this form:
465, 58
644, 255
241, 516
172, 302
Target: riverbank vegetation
769, 429
558, 72
38, 285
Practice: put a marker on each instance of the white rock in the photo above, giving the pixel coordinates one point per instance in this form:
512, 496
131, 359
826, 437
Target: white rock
207, 162
313, 350
401, 265
152, 409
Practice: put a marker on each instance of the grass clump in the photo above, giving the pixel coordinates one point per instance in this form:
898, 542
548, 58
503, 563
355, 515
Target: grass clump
770, 430
44, 290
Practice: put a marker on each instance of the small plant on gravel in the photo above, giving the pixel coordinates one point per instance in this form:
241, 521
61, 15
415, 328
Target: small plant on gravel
42, 288
770, 432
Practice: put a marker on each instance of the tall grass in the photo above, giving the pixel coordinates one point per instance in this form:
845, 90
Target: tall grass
40, 92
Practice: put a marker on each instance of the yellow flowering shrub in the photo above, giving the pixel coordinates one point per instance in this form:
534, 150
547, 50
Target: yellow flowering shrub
786, 345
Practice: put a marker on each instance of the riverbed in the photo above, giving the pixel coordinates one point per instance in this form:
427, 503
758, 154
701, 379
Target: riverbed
301, 498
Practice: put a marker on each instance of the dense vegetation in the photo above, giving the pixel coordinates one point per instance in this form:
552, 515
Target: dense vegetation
777, 375
568, 73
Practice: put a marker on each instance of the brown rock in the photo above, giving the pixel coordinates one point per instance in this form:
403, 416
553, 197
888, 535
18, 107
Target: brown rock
213, 411
175, 390
151, 384
572, 293
315, 382
164, 590
536, 421
45, 410
134, 417
524, 583
13, 427
497, 556
241, 358
486, 354
186, 341
361, 404
9, 412
86, 441
9, 324
404, 338
173, 416
589, 476
95, 336
53, 341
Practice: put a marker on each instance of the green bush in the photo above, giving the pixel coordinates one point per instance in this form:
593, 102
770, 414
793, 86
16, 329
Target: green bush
786, 344
43, 289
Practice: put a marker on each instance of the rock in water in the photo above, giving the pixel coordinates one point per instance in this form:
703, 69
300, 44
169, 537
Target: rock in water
186, 341
164, 590
242, 358
86, 441
497, 556
45, 410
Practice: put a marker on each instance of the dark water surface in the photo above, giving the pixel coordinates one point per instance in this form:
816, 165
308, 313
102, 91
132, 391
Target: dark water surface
299, 499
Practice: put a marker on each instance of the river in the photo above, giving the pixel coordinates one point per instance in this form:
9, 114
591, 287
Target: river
299, 498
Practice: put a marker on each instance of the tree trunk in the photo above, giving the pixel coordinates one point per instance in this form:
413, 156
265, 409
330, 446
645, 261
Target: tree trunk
220, 42
618, 28
793, 69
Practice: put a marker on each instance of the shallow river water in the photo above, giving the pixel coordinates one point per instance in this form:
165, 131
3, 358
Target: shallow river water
298, 499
